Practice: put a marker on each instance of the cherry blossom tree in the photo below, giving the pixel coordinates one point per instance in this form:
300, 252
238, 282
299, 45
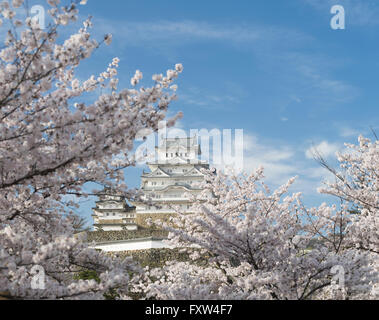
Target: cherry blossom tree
54, 138
357, 185
262, 245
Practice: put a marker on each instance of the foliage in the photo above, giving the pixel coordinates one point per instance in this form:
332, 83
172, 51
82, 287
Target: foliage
56, 134
259, 245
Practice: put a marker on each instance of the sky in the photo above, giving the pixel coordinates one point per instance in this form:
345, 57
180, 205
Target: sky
275, 69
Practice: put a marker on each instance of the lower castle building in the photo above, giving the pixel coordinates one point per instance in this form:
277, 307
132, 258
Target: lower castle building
112, 213
174, 179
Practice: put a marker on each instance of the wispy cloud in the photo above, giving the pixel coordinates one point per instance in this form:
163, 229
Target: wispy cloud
182, 32
199, 97
276, 49
320, 83
325, 149
348, 132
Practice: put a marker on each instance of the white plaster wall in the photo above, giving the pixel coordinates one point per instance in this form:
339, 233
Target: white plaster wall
118, 228
132, 245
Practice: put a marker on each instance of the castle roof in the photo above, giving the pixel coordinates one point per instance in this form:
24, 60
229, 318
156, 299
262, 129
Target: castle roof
173, 186
160, 172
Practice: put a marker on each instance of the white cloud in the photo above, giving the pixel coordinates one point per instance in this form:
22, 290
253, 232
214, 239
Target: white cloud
347, 132
282, 161
324, 148
319, 173
278, 162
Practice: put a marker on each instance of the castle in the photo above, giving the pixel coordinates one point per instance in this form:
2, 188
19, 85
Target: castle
175, 176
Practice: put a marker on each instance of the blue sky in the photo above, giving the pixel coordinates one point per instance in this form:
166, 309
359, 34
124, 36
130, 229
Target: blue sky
275, 69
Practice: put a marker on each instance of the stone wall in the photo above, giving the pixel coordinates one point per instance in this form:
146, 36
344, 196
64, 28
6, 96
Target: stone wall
104, 236
142, 220
158, 257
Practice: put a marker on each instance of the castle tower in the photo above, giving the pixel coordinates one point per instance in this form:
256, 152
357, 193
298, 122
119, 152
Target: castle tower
175, 173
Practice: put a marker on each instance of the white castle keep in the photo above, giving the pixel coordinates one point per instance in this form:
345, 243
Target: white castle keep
173, 177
